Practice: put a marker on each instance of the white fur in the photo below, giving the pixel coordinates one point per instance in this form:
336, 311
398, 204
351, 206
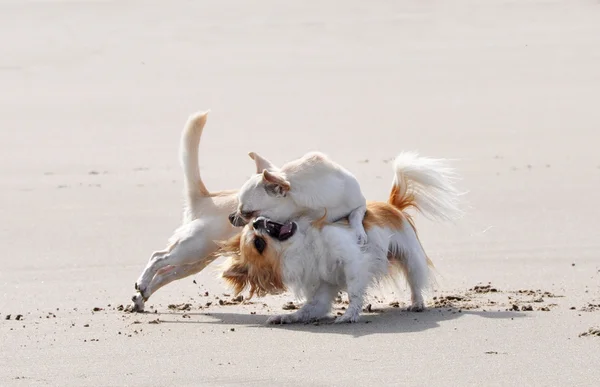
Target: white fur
431, 181
317, 263
315, 184
205, 220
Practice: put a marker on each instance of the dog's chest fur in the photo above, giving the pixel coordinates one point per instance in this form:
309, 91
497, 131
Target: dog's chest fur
316, 255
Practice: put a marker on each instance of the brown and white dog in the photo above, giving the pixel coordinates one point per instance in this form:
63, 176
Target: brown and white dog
317, 259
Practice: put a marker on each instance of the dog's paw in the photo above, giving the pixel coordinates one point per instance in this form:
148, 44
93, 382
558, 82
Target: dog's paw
283, 319
361, 236
416, 307
137, 304
141, 289
348, 317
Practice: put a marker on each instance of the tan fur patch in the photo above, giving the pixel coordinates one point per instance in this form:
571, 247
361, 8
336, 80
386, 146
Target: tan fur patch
248, 268
380, 214
401, 200
321, 222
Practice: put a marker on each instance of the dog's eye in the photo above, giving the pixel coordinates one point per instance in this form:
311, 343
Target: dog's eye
260, 244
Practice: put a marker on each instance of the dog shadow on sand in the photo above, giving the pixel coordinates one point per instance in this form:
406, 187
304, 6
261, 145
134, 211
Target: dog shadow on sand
386, 320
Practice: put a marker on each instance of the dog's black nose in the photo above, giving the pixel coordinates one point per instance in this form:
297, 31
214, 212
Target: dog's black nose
236, 221
260, 223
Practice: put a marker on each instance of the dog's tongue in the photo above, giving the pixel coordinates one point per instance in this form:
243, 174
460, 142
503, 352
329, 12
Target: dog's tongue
286, 231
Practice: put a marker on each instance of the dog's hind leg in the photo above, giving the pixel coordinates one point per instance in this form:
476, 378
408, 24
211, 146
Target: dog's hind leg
412, 260
417, 274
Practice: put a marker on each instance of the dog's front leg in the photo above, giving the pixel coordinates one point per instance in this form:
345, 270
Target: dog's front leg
317, 307
164, 278
357, 280
191, 244
356, 222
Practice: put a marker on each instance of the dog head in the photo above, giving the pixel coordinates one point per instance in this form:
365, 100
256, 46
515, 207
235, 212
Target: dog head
255, 257
264, 194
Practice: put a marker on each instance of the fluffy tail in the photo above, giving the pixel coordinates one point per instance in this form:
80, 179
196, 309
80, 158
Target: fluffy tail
425, 184
188, 153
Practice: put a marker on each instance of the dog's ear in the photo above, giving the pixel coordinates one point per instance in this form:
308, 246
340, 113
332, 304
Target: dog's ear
262, 163
276, 183
236, 275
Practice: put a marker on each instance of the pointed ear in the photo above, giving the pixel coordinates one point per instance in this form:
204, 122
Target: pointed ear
261, 163
281, 185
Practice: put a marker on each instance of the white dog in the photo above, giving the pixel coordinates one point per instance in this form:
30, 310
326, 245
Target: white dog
205, 220
303, 187
317, 259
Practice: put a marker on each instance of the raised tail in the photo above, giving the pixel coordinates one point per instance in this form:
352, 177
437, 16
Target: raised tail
188, 154
425, 184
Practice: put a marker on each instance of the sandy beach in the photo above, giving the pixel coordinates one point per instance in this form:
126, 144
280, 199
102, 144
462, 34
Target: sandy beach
93, 98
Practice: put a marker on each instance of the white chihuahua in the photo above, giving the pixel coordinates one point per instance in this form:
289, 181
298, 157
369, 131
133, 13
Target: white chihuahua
191, 247
303, 187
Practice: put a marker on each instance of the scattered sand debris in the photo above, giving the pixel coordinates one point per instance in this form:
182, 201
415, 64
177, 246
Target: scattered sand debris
234, 301
591, 332
454, 301
475, 298
537, 293
289, 306
591, 308
484, 289
182, 307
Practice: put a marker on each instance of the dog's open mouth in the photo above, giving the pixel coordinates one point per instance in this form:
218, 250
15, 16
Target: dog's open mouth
279, 231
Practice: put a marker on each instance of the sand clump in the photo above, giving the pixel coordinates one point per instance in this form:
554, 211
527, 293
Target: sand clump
591, 308
591, 332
